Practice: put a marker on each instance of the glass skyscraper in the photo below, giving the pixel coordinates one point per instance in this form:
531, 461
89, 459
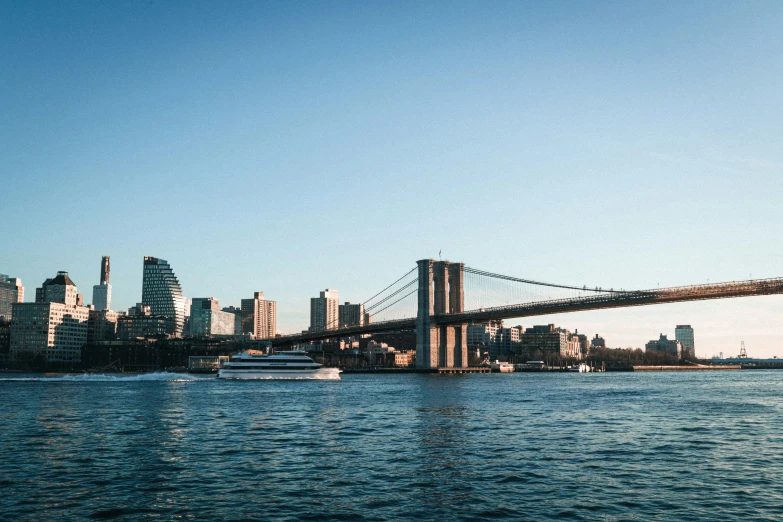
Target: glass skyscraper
684, 334
162, 293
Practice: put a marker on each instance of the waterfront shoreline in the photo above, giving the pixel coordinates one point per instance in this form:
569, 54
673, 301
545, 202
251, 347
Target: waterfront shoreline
686, 368
431, 371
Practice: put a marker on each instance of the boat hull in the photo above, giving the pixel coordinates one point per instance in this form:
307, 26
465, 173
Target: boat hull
327, 374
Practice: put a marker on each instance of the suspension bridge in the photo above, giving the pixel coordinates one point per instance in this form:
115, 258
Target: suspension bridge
439, 299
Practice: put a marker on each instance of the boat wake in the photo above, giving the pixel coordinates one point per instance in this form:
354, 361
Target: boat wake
106, 377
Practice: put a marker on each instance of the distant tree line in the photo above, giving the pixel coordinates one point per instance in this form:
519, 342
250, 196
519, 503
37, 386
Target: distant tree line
610, 357
626, 357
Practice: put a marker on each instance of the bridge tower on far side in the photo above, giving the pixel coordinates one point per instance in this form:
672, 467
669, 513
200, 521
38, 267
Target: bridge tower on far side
441, 291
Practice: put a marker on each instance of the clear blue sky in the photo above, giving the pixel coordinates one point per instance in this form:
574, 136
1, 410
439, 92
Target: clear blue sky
289, 147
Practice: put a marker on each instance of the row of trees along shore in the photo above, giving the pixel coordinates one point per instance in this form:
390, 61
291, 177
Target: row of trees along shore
610, 357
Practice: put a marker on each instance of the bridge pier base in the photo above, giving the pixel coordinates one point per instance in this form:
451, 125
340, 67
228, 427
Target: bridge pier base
440, 292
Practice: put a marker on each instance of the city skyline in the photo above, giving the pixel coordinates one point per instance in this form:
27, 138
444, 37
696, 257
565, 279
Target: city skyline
619, 146
563, 319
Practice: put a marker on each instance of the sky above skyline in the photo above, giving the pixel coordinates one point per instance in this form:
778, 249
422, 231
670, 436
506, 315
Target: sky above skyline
291, 147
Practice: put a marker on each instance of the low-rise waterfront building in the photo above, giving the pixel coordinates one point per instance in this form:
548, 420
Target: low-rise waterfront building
160, 353
509, 340
584, 343
405, 359
665, 345
5, 338
549, 339
206, 363
141, 323
483, 336
374, 349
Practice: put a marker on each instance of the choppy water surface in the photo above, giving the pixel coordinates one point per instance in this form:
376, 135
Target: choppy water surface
659, 446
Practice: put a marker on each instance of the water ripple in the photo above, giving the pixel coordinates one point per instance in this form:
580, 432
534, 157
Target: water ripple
403, 447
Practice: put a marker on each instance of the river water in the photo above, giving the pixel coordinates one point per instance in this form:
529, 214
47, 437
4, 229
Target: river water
614, 446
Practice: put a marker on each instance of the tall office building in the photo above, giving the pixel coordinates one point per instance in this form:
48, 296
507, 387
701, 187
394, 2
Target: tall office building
105, 270
352, 314
684, 334
54, 328
325, 311
11, 291
237, 318
101, 293
259, 316
162, 292
58, 290
207, 319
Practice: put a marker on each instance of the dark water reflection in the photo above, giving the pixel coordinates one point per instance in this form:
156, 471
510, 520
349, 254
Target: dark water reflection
474, 447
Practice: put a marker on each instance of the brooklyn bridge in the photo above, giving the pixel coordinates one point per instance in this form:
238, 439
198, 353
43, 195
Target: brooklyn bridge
439, 299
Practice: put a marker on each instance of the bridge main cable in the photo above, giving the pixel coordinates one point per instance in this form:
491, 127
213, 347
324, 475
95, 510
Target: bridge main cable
391, 285
539, 283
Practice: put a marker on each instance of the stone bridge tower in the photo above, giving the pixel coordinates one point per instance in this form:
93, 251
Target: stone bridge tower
441, 291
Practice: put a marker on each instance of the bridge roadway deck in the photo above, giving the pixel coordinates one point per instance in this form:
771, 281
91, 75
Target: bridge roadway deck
621, 300
386, 326
618, 299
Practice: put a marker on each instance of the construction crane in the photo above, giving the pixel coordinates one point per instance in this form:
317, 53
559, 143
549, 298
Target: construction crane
743, 354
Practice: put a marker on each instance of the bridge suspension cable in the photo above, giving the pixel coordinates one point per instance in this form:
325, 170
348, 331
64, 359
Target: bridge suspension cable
391, 285
537, 283
400, 308
401, 289
483, 290
398, 301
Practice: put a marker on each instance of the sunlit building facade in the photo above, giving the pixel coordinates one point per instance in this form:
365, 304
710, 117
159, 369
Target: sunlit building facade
162, 292
52, 330
684, 334
325, 311
207, 319
259, 316
57, 290
11, 291
550, 339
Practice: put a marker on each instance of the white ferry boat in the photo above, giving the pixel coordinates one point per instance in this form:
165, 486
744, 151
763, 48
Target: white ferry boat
579, 368
502, 367
281, 365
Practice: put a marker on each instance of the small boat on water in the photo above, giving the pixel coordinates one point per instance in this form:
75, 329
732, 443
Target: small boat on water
579, 368
280, 365
502, 367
